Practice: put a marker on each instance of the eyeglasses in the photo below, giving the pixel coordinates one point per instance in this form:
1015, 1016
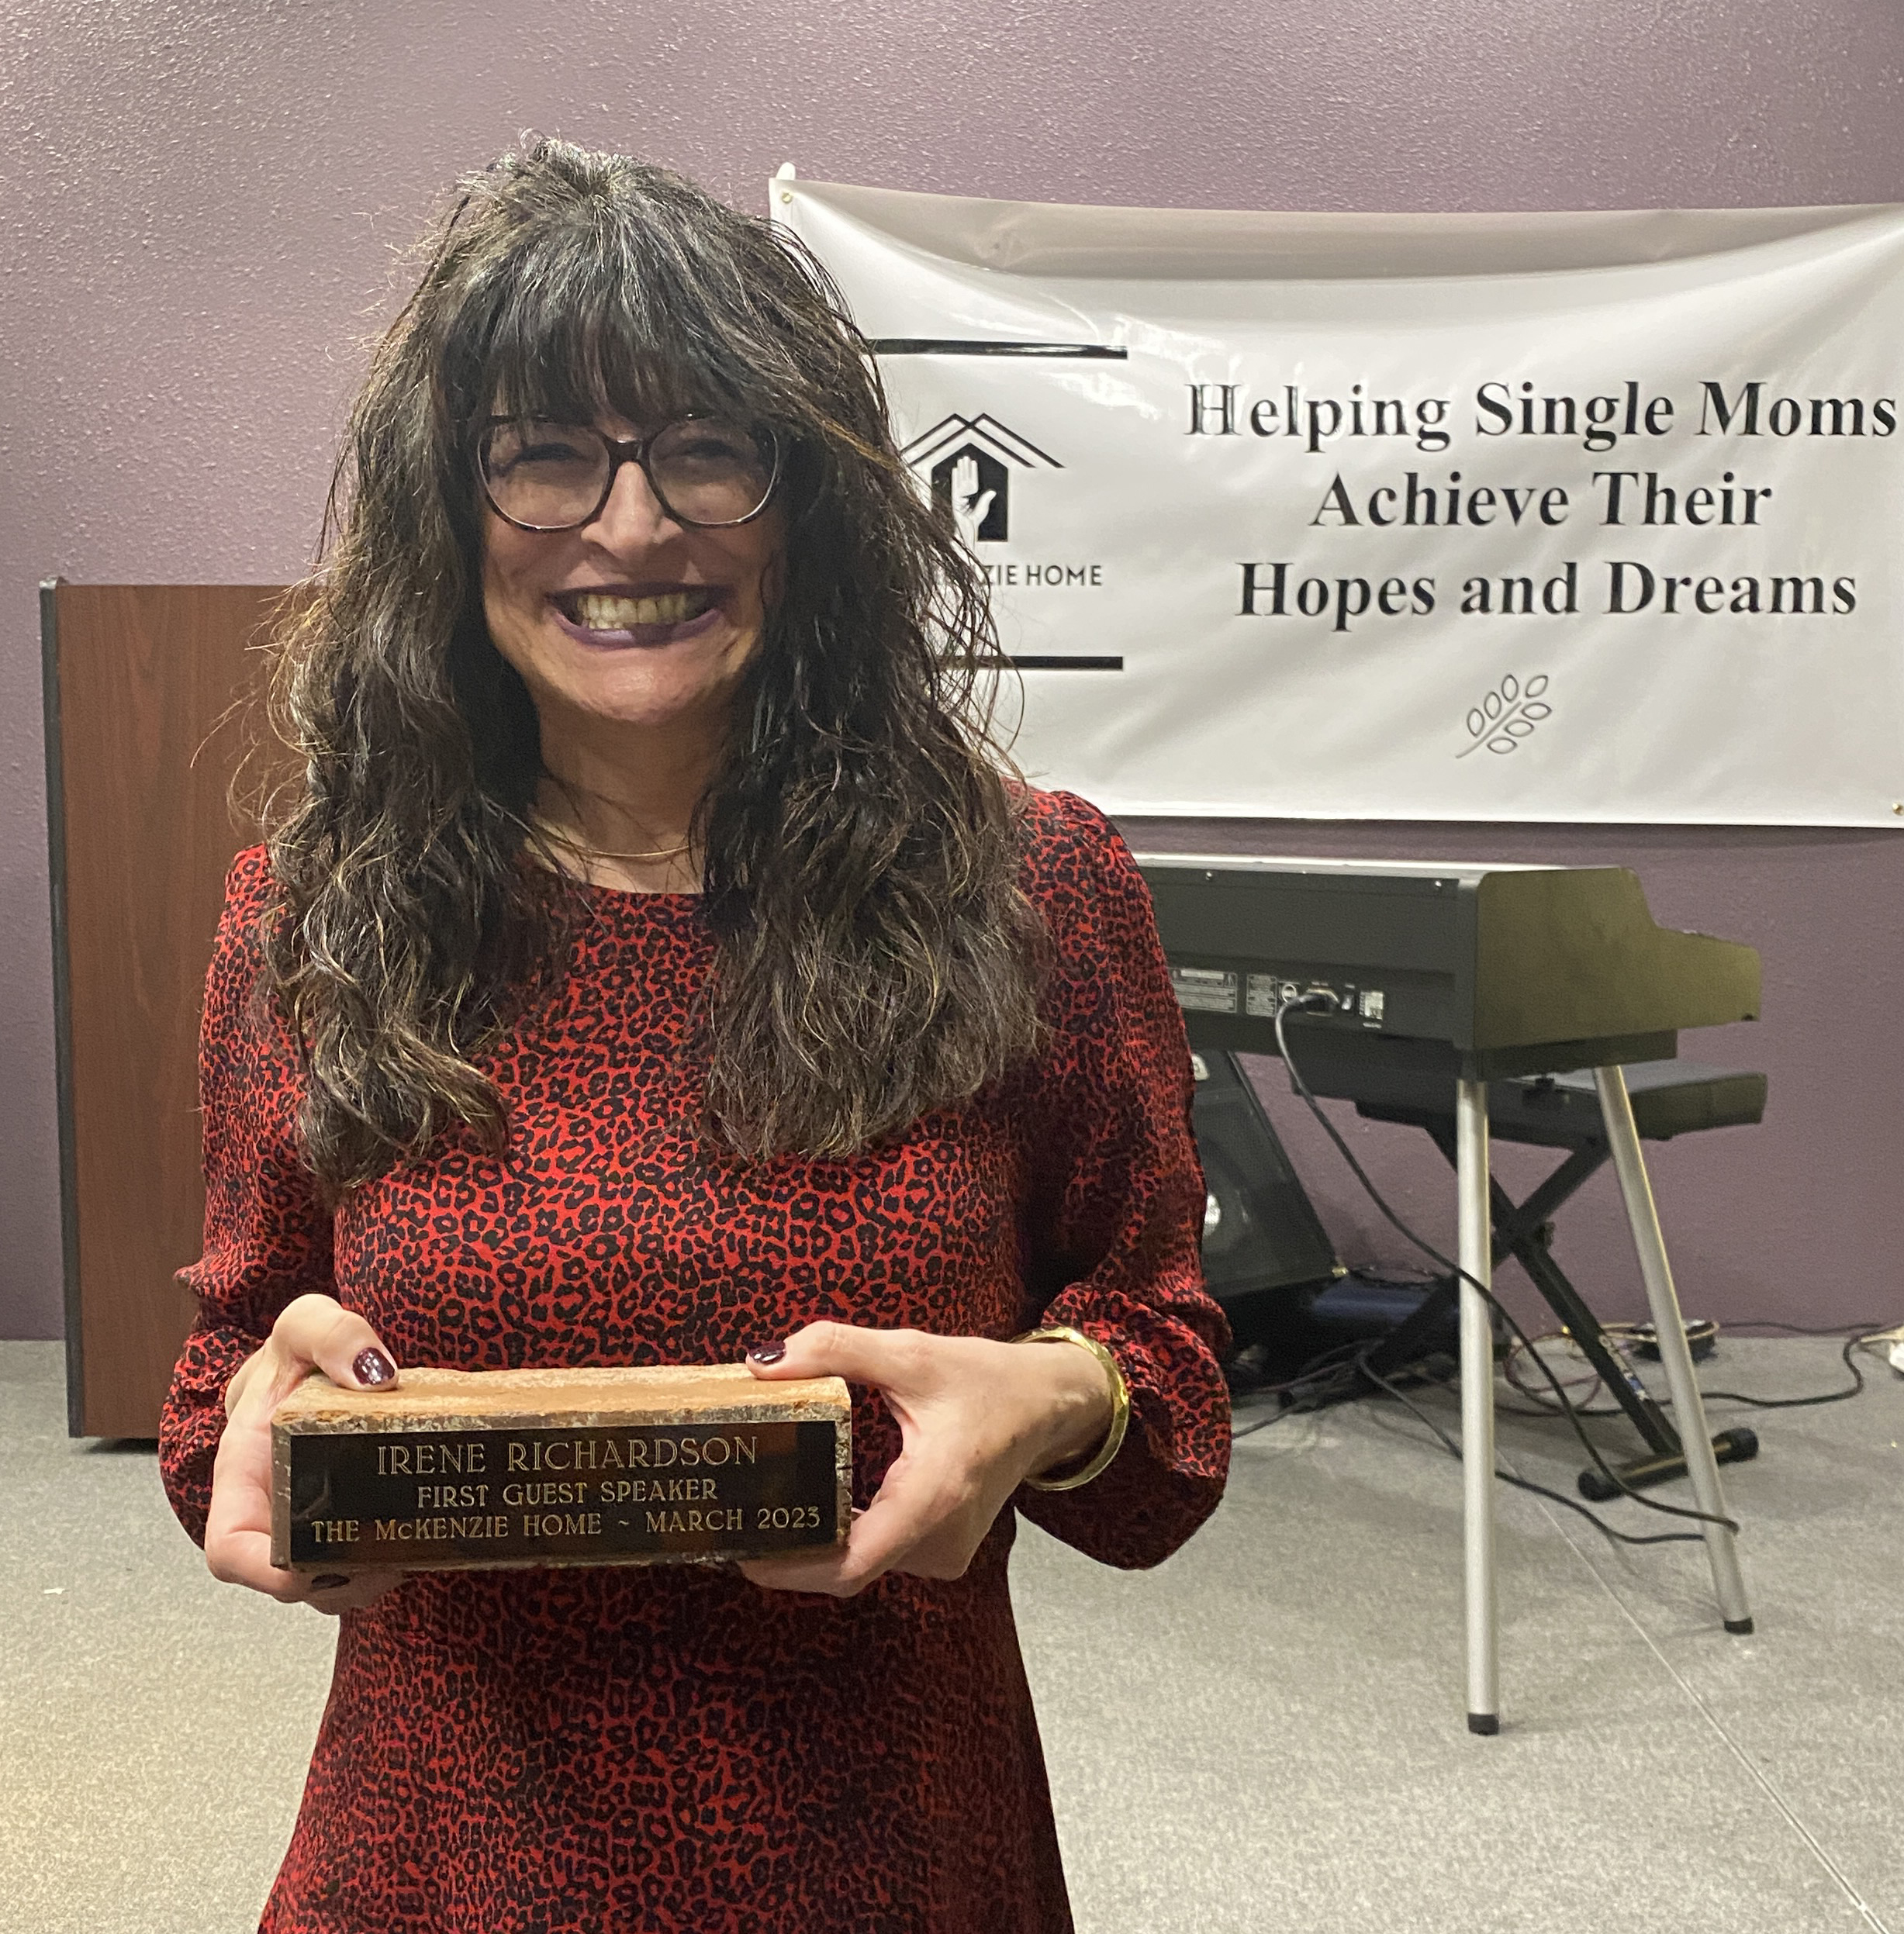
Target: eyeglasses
704, 471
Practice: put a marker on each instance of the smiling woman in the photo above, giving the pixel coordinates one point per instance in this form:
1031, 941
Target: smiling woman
657, 963
619, 307
623, 613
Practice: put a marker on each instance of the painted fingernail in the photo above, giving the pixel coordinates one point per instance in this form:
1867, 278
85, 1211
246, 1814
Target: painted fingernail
329, 1581
766, 1353
372, 1367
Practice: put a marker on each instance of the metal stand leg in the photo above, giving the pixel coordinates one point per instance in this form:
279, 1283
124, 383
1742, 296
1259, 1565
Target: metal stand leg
1476, 1254
1669, 1327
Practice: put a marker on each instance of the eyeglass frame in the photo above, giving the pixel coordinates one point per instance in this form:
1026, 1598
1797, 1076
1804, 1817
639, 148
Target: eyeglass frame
621, 450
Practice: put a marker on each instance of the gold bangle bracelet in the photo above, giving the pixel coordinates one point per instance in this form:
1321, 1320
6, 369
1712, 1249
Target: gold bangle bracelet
1120, 1406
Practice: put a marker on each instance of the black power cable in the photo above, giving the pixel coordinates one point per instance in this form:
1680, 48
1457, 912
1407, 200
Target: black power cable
1862, 1338
1333, 1375
1539, 1490
1847, 1356
1866, 1331
1320, 1002
1322, 1380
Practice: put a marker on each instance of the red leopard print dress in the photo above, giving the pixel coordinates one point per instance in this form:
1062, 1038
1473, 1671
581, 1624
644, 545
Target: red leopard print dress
579, 1752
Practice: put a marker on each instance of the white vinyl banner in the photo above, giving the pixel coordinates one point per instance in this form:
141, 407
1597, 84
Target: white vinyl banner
1533, 516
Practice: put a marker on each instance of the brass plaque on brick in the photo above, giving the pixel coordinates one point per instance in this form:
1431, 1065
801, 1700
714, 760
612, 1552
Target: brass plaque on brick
458, 1470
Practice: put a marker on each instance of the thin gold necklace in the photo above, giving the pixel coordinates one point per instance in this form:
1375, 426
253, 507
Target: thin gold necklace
601, 852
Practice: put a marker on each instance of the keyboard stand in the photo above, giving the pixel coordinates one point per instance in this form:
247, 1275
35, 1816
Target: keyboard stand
1679, 1096
1669, 1098
1669, 1329
1475, 1254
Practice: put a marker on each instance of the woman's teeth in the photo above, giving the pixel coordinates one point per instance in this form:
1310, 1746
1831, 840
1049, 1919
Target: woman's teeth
596, 611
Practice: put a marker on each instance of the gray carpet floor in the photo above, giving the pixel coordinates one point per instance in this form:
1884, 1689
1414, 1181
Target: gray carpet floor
1266, 1732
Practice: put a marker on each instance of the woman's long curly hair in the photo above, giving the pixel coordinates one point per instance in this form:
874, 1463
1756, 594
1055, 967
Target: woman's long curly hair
874, 957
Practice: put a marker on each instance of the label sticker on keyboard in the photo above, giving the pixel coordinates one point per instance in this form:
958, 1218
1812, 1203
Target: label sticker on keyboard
1205, 990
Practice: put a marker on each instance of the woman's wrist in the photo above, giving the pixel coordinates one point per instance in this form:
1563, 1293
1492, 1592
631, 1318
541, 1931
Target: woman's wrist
1091, 1413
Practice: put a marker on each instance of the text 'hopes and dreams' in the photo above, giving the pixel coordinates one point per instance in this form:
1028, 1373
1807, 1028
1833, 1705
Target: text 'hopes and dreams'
1274, 590
1595, 421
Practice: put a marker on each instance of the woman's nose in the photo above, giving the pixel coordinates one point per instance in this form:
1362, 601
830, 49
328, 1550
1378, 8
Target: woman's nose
632, 517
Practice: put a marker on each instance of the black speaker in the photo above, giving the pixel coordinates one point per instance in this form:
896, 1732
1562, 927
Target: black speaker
1265, 1251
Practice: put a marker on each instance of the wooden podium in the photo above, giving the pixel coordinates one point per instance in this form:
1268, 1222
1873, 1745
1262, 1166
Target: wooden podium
138, 681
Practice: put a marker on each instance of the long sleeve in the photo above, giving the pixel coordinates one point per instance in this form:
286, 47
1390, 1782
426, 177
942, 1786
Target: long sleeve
1115, 1219
267, 1237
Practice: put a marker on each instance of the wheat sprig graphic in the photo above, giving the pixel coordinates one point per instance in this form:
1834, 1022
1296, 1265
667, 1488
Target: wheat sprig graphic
1507, 715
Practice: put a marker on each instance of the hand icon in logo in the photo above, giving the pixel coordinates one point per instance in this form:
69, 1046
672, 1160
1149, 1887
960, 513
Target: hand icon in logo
969, 503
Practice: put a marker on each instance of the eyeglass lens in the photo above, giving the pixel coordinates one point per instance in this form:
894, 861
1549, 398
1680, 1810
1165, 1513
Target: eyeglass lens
553, 476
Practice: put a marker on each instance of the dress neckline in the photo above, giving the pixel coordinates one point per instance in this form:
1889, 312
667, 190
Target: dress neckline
635, 892
596, 888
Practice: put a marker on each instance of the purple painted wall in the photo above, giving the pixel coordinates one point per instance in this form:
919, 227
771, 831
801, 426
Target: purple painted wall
200, 208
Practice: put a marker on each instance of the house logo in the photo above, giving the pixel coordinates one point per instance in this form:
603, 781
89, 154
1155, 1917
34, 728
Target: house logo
968, 460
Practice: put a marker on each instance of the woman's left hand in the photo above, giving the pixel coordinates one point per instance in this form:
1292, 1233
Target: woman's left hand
976, 1418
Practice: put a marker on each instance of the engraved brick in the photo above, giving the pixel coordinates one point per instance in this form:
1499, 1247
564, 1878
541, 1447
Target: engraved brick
460, 1469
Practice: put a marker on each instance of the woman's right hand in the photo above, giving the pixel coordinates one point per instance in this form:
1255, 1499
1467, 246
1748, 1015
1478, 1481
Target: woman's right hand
313, 1332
